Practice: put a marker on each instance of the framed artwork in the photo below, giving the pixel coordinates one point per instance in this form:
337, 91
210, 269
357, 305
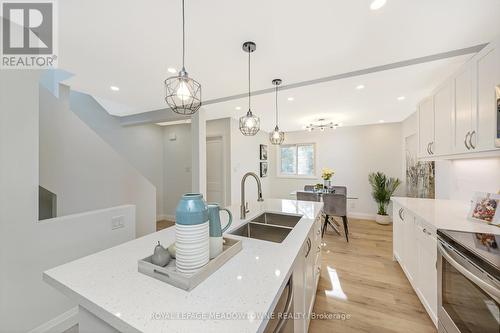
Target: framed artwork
263, 152
485, 208
263, 169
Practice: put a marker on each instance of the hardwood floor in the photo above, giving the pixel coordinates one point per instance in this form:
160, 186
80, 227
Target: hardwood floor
163, 224
360, 280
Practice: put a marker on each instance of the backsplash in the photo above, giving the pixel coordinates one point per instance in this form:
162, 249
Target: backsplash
458, 179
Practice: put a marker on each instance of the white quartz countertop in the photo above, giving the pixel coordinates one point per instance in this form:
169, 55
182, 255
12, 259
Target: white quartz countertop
108, 284
445, 214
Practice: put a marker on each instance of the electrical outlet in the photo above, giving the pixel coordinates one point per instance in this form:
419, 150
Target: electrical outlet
352, 205
117, 222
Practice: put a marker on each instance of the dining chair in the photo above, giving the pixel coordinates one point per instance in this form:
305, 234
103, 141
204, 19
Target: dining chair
308, 187
339, 190
308, 196
335, 204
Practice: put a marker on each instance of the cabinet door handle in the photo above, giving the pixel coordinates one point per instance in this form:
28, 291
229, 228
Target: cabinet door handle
308, 246
428, 151
465, 141
430, 147
470, 139
401, 214
426, 232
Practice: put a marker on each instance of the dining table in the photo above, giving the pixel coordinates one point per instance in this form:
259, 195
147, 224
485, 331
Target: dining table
320, 193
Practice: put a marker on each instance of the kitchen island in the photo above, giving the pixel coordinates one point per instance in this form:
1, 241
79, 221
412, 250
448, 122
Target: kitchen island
113, 296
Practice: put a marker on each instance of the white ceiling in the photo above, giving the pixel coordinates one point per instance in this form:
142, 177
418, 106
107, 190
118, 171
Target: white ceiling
340, 101
130, 44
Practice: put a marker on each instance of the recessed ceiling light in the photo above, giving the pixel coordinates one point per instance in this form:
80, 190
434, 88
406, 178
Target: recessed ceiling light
401, 98
114, 88
377, 4
238, 108
172, 70
381, 121
290, 99
361, 86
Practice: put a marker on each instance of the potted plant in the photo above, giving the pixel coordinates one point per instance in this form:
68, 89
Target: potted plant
382, 190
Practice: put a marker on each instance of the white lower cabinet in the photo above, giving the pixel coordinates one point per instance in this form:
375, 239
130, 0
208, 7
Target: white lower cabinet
306, 277
427, 272
415, 248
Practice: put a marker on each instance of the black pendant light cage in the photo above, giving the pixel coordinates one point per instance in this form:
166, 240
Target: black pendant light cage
182, 93
276, 137
249, 123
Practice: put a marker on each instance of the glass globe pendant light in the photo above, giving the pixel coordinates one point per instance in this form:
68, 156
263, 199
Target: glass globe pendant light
183, 94
249, 124
276, 137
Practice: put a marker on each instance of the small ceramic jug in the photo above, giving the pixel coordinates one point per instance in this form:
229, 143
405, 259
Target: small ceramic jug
216, 230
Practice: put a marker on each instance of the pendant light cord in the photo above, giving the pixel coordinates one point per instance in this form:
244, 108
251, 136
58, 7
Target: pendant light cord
249, 94
276, 105
183, 35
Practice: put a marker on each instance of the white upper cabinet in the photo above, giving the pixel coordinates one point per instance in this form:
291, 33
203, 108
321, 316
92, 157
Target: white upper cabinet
488, 77
426, 127
460, 117
443, 119
463, 109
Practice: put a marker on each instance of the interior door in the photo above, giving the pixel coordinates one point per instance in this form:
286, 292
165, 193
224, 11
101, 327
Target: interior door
463, 110
215, 171
487, 78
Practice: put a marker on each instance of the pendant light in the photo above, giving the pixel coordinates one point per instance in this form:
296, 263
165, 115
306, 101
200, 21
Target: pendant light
249, 124
183, 94
276, 137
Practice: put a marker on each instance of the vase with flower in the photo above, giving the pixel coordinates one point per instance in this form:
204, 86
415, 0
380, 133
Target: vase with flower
327, 175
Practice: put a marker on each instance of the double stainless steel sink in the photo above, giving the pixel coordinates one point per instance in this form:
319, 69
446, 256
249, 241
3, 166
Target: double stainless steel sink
271, 227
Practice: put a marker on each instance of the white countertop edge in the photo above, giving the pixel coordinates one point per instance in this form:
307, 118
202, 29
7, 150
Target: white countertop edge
280, 206
445, 214
95, 309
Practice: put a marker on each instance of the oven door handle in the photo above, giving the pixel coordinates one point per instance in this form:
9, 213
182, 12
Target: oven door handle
486, 287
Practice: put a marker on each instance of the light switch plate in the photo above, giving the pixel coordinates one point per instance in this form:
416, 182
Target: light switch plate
117, 222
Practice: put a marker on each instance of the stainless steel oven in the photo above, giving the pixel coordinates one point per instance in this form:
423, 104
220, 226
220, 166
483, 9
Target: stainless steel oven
468, 282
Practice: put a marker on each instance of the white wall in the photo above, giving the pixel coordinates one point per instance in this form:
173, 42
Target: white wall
28, 247
353, 152
177, 164
245, 158
83, 170
141, 146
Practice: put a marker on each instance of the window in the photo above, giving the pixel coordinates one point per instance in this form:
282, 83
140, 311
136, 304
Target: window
297, 160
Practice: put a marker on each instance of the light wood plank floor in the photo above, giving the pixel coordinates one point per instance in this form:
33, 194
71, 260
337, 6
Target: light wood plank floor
164, 224
360, 279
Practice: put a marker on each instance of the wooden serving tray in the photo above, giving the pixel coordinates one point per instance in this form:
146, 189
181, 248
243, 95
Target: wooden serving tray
170, 275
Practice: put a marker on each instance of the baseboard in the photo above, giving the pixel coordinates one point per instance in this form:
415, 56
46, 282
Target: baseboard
60, 323
361, 216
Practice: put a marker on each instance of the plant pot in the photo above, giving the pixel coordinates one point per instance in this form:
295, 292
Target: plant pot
383, 219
